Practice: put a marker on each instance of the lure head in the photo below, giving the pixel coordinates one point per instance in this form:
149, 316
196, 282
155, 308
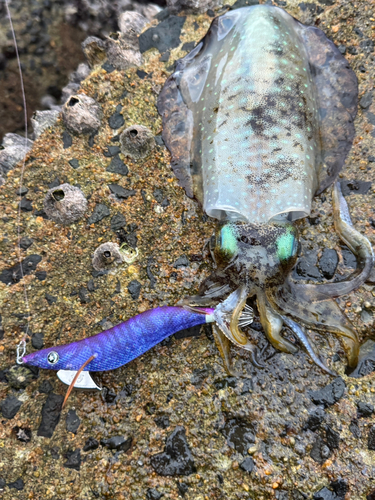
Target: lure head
261, 253
62, 357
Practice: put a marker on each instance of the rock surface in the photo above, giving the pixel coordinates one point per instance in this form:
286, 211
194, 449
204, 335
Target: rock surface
292, 432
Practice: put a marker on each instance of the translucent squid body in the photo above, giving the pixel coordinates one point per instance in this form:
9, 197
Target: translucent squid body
258, 119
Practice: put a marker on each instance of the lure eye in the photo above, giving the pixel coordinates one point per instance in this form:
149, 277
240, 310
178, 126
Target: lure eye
52, 357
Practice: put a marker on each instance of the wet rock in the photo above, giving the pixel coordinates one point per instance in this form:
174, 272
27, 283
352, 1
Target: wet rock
67, 140
26, 243
182, 488
119, 443
45, 387
306, 268
364, 410
18, 484
121, 192
191, 6
51, 299
81, 114
100, 211
2, 484
366, 362
122, 49
117, 222
328, 263
19, 376
41, 275
73, 459
108, 394
14, 150
83, 295
354, 429
95, 50
330, 394
106, 256
333, 438
371, 496
14, 274
65, 204
117, 166
26, 205
247, 465
55, 452
225, 382
316, 417
137, 142
91, 444
162, 421
116, 120
22, 434
366, 100
141, 74
50, 415
10, 406
371, 438
176, 459
165, 36
43, 120
131, 22
22, 190
37, 340
182, 261
153, 494
355, 187
239, 434
74, 163
320, 451
134, 288
72, 421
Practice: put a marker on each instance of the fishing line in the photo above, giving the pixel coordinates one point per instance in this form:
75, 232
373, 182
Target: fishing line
22, 170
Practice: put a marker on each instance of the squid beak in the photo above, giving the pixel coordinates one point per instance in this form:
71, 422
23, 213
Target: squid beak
233, 313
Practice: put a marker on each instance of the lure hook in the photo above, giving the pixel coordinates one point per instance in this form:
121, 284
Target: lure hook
21, 351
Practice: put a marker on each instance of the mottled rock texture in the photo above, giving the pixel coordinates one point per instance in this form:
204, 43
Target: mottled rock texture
291, 432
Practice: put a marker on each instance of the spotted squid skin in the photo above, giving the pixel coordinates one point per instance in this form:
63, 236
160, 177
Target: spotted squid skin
122, 343
259, 116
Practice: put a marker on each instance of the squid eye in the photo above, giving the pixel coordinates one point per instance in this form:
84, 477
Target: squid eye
52, 357
228, 240
287, 245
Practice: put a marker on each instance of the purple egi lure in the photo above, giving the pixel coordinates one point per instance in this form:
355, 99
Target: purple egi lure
122, 343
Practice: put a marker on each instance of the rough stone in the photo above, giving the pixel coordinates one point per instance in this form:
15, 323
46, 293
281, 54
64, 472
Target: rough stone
15, 149
119, 443
99, 213
134, 288
165, 36
50, 415
10, 406
330, 394
239, 434
72, 421
328, 263
95, 50
91, 444
13, 274
43, 120
176, 459
37, 340
364, 410
121, 192
73, 459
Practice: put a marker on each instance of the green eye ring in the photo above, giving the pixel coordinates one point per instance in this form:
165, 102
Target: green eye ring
228, 244
287, 244
52, 357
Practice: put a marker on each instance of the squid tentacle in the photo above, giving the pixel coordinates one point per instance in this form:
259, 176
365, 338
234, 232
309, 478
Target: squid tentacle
302, 337
358, 244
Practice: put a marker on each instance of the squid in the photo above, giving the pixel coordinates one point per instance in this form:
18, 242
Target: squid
259, 118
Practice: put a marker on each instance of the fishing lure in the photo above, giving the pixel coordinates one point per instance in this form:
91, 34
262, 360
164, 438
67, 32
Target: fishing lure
121, 344
258, 119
